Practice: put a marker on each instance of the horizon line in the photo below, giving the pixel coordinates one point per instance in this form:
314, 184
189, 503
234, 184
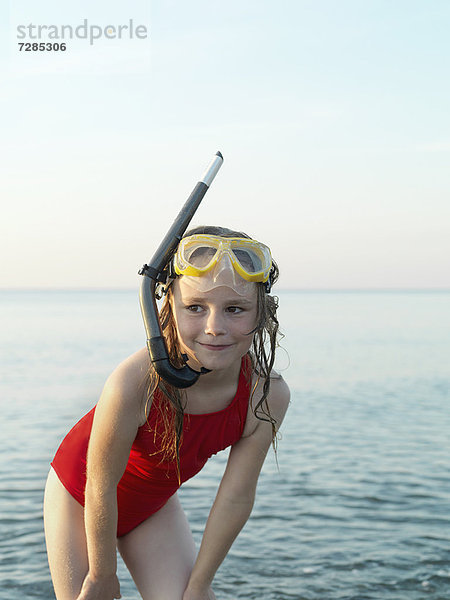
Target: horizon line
283, 289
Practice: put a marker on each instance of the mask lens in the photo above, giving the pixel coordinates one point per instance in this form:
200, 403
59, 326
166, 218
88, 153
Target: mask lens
248, 259
200, 256
253, 258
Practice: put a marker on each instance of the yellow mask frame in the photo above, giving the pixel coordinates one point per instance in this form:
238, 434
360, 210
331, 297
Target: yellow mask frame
198, 254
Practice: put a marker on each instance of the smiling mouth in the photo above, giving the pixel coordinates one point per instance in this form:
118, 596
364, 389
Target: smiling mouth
215, 347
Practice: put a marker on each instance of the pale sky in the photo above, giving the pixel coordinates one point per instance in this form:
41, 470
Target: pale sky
332, 116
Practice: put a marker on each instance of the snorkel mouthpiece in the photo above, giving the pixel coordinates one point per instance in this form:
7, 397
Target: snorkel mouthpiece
155, 272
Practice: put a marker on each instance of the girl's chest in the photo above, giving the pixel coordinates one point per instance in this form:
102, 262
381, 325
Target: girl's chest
212, 401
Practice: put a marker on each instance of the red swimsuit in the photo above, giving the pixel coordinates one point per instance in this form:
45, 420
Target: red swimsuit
149, 481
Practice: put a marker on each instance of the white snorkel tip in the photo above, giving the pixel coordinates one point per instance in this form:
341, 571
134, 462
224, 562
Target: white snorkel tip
212, 169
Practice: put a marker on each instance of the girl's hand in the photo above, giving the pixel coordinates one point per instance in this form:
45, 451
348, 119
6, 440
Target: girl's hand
106, 588
199, 594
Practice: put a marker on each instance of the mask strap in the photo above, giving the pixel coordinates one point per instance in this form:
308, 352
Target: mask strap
268, 284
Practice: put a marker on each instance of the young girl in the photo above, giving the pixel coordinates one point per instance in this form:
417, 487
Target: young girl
114, 479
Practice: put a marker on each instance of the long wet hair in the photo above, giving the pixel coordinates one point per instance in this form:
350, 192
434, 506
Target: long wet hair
262, 357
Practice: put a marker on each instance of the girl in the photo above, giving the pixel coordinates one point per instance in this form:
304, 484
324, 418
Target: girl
114, 478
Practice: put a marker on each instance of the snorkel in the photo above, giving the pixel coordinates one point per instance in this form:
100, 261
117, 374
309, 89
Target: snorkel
155, 272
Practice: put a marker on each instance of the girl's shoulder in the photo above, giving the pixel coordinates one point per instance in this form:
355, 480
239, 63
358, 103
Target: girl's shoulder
277, 401
131, 371
279, 394
127, 385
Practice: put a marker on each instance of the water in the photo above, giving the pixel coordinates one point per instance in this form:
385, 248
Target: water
359, 508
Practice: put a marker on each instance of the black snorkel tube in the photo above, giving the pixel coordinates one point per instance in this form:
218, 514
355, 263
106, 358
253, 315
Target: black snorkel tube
156, 272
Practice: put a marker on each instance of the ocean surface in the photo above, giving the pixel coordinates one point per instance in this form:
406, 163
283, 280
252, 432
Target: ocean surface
359, 507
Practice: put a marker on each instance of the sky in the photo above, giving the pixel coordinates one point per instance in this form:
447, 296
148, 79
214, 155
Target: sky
332, 116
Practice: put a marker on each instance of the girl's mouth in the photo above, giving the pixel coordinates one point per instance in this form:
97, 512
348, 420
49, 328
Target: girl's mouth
215, 347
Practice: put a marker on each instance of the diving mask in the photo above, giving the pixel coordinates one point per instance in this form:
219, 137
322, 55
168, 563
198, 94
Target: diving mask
209, 261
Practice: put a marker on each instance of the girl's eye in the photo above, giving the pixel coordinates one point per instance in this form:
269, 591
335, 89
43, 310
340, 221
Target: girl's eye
234, 309
194, 308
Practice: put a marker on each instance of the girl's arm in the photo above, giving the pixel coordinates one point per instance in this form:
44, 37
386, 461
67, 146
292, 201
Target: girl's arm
235, 498
117, 418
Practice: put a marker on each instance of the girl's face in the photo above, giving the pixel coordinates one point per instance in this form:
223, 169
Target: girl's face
213, 327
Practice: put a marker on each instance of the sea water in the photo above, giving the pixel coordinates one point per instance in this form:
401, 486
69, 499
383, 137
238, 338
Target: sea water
359, 504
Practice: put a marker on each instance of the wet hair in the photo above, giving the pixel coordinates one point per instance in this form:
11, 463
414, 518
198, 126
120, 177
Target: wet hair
262, 356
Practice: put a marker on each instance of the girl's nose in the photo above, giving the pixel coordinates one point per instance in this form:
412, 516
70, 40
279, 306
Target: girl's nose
215, 323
